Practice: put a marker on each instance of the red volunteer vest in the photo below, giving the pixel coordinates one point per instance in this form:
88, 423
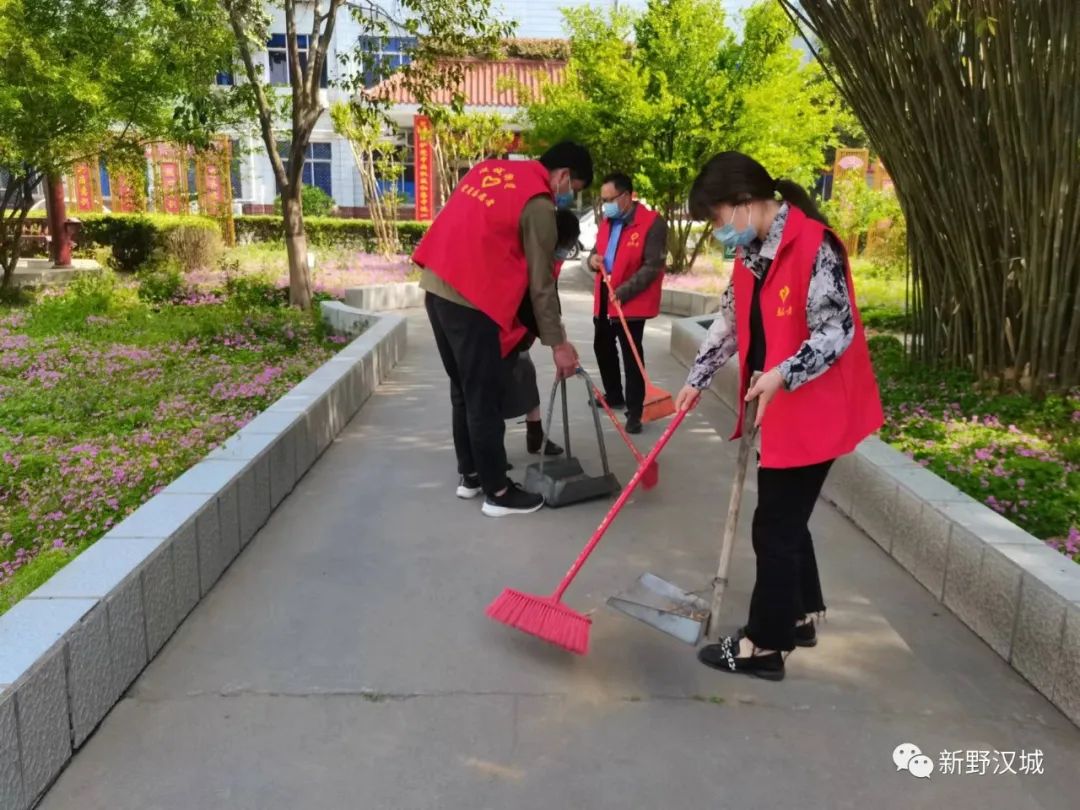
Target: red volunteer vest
826, 417
474, 244
628, 260
509, 340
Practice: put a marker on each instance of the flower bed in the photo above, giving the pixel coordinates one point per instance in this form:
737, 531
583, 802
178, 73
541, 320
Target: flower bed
106, 399
1019, 456
335, 271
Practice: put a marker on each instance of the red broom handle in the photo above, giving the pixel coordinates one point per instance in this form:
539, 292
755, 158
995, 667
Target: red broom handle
618, 425
629, 338
623, 498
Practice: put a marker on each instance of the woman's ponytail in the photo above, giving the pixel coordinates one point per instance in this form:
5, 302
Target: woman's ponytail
794, 194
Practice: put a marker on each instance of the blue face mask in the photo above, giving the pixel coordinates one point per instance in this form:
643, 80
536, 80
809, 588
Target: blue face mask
611, 210
564, 199
729, 237
562, 254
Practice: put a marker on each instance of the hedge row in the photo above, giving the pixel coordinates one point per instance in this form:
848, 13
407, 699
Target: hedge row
133, 238
326, 231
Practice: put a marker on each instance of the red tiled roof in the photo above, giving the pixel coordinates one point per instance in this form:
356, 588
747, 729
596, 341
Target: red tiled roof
488, 83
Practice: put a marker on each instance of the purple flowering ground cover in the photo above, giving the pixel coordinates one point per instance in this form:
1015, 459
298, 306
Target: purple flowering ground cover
105, 398
1017, 454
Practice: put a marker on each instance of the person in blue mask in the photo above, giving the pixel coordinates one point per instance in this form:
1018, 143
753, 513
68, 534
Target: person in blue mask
631, 249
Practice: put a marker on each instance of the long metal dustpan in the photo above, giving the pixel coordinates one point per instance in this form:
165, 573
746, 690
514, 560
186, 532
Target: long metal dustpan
686, 615
564, 481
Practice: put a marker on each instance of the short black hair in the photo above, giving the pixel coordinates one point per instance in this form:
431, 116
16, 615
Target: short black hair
568, 228
572, 156
622, 182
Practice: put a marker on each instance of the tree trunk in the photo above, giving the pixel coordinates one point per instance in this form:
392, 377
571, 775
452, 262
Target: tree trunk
60, 244
296, 245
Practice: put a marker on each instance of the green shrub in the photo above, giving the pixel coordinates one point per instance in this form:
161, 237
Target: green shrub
195, 245
315, 201
134, 238
328, 232
161, 282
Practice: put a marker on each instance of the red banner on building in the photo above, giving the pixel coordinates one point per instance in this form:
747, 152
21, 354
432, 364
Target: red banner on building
425, 168
127, 198
170, 179
87, 198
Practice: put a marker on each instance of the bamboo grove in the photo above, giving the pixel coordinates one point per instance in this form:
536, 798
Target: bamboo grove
974, 107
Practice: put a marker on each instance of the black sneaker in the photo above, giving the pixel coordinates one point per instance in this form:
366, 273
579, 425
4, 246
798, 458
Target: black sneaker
469, 487
515, 501
724, 657
633, 424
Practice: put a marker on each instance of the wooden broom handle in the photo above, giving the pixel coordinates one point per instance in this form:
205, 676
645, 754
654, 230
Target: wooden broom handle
731, 523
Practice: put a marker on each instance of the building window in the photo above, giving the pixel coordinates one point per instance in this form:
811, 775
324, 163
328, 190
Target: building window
234, 170
103, 171
318, 165
224, 78
406, 184
393, 52
278, 50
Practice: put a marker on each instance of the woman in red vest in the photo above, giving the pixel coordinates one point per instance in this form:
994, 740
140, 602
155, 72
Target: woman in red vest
790, 314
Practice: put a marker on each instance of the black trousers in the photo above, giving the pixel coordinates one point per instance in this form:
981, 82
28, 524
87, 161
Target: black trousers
787, 587
608, 337
468, 342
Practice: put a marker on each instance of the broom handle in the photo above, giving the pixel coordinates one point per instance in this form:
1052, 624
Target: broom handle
731, 524
618, 425
626, 328
628, 490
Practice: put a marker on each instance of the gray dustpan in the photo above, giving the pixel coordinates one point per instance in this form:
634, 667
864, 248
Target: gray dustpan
677, 612
564, 481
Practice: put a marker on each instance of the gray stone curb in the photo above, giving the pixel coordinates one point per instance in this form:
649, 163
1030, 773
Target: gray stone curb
383, 297
680, 303
71, 648
1020, 596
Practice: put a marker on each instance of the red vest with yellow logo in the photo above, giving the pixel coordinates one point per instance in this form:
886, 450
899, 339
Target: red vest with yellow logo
628, 260
828, 416
474, 244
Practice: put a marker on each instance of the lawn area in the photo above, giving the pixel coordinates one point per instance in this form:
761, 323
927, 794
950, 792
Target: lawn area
106, 398
335, 270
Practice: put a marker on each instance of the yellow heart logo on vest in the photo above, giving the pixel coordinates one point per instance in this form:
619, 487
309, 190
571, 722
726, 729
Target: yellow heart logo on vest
784, 293
489, 181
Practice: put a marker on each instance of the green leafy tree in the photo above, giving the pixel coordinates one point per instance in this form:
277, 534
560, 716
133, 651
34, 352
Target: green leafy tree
656, 95
83, 78
464, 139
445, 31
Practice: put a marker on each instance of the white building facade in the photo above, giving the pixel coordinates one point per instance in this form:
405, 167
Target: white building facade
330, 163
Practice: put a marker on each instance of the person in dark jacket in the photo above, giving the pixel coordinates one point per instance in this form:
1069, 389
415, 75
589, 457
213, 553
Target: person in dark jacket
522, 396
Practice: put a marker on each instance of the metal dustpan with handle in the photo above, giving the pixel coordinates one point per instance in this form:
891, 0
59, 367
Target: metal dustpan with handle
687, 615
564, 481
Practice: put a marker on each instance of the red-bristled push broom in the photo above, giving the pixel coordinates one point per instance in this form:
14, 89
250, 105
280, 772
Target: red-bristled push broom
546, 616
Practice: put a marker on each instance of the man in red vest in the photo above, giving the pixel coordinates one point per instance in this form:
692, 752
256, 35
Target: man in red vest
490, 247
631, 247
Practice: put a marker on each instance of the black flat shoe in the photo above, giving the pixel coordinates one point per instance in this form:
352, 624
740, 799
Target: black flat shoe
723, 657
805, 634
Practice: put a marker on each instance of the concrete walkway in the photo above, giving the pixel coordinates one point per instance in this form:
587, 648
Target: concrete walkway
344, 660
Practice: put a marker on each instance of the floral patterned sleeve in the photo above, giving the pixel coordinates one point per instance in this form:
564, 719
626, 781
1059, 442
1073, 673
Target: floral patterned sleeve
828, 316
720, 344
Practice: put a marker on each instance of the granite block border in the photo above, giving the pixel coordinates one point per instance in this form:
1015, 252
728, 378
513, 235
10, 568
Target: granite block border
383, 297
73, 646
1017, 594
680, 303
